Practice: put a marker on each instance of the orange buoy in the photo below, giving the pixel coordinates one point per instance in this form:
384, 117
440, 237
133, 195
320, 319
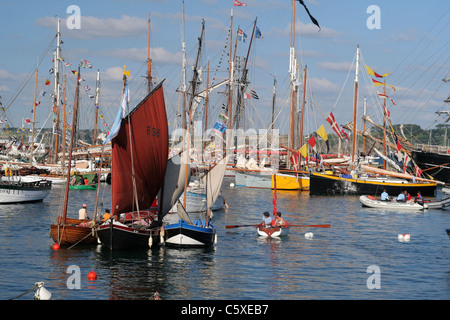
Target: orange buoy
92, 276
55, 247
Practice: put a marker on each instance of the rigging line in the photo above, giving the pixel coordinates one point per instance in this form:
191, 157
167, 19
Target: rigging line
30, 75
346, 79
423, 38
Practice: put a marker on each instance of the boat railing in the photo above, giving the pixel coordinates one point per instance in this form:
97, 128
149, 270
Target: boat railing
433, 148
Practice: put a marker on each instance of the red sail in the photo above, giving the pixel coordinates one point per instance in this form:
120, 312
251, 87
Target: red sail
149, 144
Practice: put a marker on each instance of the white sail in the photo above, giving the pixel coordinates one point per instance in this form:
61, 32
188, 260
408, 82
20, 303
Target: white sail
176, 173
213, 181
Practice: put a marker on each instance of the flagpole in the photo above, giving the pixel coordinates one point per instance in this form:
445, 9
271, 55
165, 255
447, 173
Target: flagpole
384, 125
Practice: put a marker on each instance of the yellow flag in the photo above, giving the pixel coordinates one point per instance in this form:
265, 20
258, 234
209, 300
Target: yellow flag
304, 151
373, 73
322, 133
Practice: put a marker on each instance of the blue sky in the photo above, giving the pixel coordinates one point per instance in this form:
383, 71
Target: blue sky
412, 45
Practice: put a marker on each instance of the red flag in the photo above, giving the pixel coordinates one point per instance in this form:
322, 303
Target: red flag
399, 146
343, 133
28, 120
239, 4
294, 161
47, 82
386, 112
330, 119
312, 142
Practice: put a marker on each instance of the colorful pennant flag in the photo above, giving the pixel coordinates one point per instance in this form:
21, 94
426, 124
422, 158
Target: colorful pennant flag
323, 134
382, 95
378, 84
241, 35
312, 141
304, 150
373, 73
47, 82
239, 4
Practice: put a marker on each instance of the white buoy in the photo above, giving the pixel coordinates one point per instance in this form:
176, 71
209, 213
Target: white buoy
232, 185
41, 292
309, 235
404, 237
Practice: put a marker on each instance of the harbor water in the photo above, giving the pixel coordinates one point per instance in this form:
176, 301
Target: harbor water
359, 257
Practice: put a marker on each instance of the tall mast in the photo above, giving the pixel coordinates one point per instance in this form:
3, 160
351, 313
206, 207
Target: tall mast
183, 76
149, 61
355, 104
230, 77
97, 101
303, 108
34, 117
72, 138
63, 160
56, 100
273, 100
292, 73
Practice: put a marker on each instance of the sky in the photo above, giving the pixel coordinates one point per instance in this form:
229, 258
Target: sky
407, 39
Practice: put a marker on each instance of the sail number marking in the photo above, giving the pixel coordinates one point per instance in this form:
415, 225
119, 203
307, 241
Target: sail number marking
153, 131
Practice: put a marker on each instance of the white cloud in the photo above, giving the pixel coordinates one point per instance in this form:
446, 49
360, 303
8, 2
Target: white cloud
336, 66
94, 28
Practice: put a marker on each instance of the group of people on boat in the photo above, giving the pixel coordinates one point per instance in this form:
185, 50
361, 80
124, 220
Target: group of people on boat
276, 221
83, 181
402, 197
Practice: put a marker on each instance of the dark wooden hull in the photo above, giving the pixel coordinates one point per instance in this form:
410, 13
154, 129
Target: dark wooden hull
436, 164
322, 184
120, 237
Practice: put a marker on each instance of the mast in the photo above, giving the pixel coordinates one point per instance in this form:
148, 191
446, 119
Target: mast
97, 101
384, 124
56, 100
72, 138
149, 61
34, 117
63, 161
230, 78
292, 71
183, 76
194, 88
364, 128
303, 108
273, 100
355, 104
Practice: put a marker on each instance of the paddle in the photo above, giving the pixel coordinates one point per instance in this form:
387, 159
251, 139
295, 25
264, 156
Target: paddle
290, 225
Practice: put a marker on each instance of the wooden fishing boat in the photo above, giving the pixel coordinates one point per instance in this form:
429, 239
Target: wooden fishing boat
73, 231
272, 232
139, 162
66, 231
326, 184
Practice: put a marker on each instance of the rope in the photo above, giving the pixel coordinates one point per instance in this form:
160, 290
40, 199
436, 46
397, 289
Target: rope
22, 294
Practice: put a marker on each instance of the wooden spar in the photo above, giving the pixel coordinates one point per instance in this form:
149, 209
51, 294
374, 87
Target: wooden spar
34, 117
303, 109
355, 104
398, 175
63, 159
149, 61
384, 125
72, 138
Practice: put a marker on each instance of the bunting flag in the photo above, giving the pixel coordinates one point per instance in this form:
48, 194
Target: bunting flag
343, 133
378, 84
74, 71
323, 134
332, 121
417, 170
387, 113
68, 64
21, 130
309, 14
258, 34
294, 161
87, 88
373, 73
239, 4
241, 35
399, 146
47, 82
254, 95
28, 120
312, 141
85, 64
304, 151
405, 162
382, 95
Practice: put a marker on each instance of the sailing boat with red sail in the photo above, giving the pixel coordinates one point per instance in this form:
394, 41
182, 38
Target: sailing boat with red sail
139, 160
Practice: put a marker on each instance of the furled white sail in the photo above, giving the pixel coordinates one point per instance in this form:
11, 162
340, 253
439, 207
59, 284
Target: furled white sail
213, 181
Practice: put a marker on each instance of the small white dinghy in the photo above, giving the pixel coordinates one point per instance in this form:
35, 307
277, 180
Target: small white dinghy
372, 202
